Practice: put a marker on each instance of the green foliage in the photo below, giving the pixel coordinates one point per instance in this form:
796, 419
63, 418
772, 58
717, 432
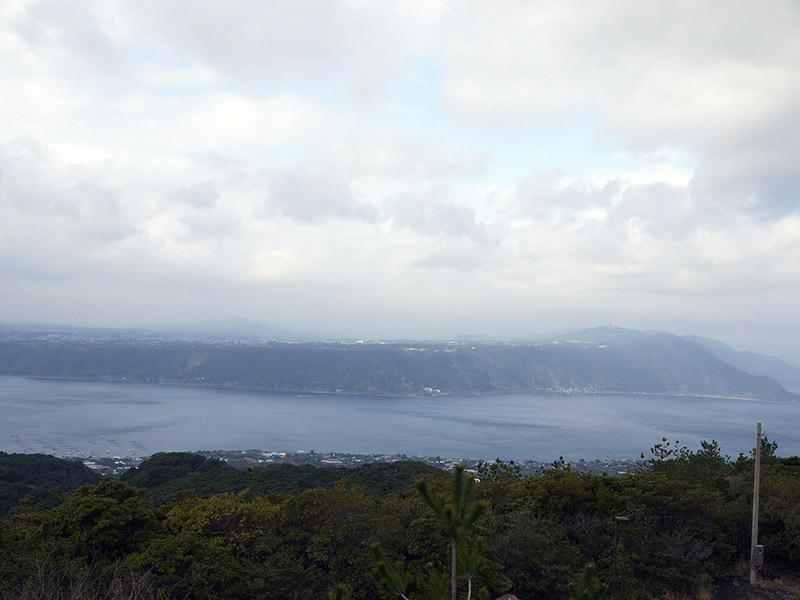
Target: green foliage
537, 555
435, 585
779, 523
108, 520
564, 492
768, 449
673, 537
391, 578
46, 479
327, 534
498, 471
212, 548
456, 516
497, 481
168, 473
77, 548
549, 536
779, 514
340, 592
707, 466
470, 561
165, 467
588, 586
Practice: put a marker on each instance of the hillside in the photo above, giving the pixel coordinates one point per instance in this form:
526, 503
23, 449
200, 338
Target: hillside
637, 362
168, 473
203, 530
752, 362
46, 480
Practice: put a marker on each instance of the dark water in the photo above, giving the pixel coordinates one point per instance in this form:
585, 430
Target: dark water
68, 417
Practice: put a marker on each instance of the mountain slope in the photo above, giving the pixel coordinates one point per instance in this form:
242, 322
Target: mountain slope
45, 479
752, 362
234, 327
639, 362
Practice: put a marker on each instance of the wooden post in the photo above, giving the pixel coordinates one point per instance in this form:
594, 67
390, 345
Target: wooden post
754, 536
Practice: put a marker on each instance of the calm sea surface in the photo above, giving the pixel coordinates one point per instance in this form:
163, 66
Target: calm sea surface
66, 417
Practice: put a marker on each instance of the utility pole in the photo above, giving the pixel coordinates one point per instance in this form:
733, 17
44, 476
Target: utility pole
754, 536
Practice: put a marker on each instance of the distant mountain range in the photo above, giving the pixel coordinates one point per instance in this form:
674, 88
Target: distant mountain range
234, 327
599, 360
752, 362
749, 362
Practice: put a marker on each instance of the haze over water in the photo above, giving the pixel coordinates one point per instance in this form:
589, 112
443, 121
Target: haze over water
118, 419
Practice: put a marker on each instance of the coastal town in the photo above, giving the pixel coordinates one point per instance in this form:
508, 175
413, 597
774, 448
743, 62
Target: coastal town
114, 466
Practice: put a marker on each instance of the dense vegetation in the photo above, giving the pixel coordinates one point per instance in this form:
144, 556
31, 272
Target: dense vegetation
657, 364
167, 473
548, 536
44, 479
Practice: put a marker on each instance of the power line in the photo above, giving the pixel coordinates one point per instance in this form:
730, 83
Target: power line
773, 432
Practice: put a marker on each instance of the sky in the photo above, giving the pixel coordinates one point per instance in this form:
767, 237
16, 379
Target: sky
404, 169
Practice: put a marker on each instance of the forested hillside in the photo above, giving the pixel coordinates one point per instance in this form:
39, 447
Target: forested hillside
44, 480
168, 473
656, 364
548, 536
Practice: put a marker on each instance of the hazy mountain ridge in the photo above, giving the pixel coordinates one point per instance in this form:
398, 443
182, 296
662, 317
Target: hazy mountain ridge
603, 335
602, 360
233, 327
749, 362
752, 362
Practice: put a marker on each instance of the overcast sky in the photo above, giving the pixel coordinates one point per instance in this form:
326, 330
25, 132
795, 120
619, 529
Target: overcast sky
404, 169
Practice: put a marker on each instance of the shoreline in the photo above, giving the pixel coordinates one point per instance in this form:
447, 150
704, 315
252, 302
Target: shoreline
256, 459
489, 393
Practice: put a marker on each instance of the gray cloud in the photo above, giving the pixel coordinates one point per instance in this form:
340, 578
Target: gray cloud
53, 222
541, 195
97, 213
376, 157
61, 202
72, 34
661, 210
758, 175
200, 195
433, 214
404, 157
311, 197
459, 257
280, 39
204, 226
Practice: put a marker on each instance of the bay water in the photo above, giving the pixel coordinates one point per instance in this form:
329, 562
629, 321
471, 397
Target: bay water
68, 417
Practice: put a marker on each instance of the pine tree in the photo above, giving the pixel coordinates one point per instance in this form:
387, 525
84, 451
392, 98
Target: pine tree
455, 516
588, 587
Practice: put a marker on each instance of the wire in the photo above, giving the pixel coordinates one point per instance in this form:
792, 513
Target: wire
773, 432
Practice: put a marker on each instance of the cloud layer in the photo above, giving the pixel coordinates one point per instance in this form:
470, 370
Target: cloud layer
403, 169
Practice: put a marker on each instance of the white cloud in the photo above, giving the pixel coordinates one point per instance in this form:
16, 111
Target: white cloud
78, 36
300, 194
403, 156
231, 120
177, 77
433, 214
383, 163
282, 41
650, 72
202, 194
544, 194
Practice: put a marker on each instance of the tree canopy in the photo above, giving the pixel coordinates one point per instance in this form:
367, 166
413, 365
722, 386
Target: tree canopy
545, 536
